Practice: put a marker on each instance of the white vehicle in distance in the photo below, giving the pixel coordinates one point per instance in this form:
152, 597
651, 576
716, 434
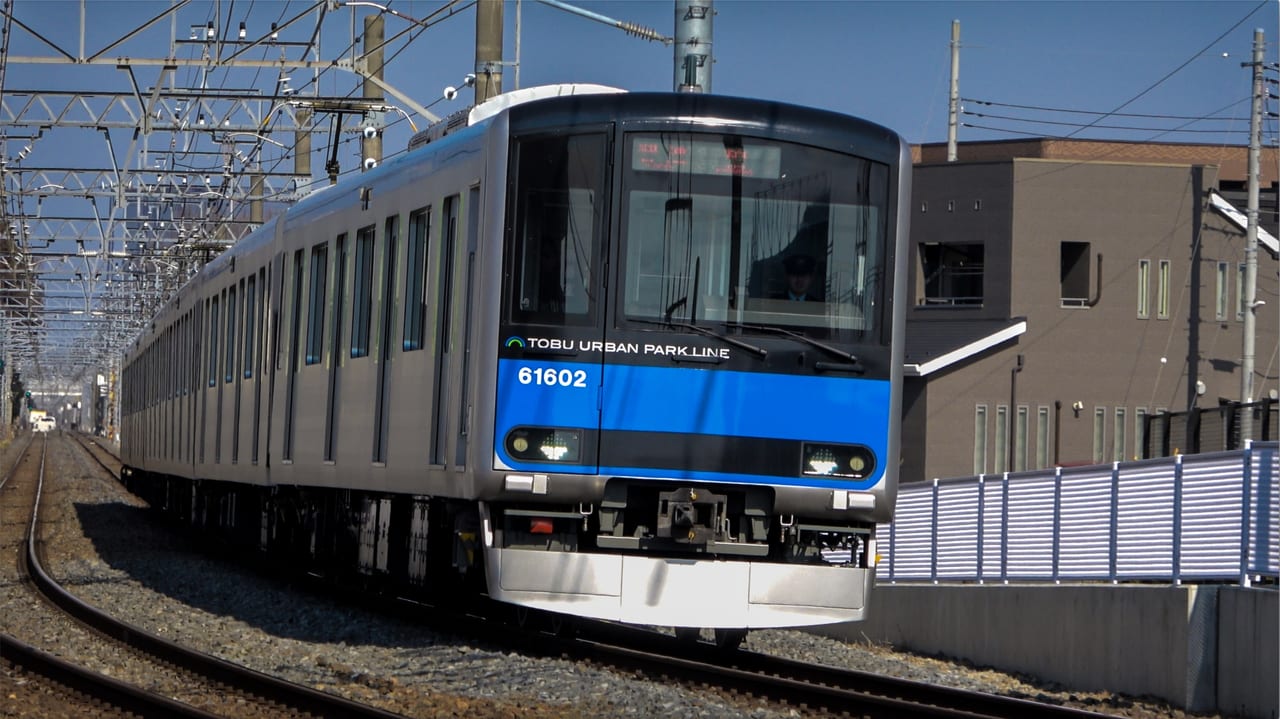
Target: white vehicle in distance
45, 424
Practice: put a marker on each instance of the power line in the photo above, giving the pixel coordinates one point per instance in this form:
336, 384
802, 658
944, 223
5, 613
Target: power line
992, 103
1096, 126
1177, 69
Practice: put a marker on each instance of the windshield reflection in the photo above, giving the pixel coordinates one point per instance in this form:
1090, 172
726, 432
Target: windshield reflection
725, 229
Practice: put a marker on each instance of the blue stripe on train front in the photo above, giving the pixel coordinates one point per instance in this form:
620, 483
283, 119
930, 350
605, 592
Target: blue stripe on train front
692, 400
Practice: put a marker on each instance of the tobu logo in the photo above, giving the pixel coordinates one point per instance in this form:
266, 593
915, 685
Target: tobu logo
623, 348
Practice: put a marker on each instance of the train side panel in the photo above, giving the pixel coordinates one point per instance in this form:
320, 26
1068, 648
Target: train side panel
376, 420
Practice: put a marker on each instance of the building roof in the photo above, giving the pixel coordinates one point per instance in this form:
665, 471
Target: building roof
1239, 219
1231, 160
935, 344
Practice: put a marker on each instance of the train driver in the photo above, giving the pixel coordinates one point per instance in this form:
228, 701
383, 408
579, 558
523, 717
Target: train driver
799, 269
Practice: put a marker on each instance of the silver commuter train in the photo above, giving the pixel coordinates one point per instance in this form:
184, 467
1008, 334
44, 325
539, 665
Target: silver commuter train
553, 353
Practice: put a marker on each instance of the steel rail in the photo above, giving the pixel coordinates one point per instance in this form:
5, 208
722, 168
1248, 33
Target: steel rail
269, 688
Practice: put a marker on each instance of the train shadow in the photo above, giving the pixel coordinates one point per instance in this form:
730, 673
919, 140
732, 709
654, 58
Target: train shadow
136, 547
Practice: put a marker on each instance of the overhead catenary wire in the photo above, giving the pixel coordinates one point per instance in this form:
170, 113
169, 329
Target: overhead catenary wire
1179, 68
1116, 111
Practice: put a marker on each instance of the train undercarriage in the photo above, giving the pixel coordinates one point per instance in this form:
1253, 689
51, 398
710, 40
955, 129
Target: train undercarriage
706, 557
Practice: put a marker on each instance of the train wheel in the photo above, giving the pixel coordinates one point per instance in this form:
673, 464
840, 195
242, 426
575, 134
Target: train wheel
730, 638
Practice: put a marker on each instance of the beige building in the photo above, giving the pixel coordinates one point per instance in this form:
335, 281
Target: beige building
1064, 290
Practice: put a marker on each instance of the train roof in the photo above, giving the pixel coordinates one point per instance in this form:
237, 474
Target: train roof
478, 113
804, 124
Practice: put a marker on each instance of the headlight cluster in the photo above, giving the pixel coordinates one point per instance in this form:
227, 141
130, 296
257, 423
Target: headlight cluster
545, 444
837, 460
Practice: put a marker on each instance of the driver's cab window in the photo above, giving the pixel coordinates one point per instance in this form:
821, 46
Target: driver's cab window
555, 235
747, 232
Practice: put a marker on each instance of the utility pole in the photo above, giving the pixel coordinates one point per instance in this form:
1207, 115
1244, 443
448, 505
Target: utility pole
1011, 426
1250, 290
488, 49
371, 140
693, 57
953, 112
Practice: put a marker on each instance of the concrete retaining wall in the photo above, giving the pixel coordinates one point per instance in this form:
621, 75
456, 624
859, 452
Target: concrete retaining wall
1248, 665
1199, 648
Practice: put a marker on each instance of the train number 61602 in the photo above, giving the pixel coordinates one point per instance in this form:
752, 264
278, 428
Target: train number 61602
551, 377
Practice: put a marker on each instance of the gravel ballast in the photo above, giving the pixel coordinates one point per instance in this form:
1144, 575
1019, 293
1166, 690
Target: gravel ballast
103, 546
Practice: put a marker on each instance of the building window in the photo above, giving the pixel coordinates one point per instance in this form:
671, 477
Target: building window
1140, 433
1020, 439
1075, 274
362, 296
980, 439
1099, 434
1162, 292
1144, 289
1042, 437
1002, 439
1240, 291
1224, 292
1118, 433
952, 274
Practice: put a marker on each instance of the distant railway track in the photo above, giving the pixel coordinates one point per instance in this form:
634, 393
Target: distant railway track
749, 677
183, 682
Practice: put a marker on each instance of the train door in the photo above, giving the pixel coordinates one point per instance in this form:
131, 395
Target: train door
552, 353
444, 334
246, 307
382, 401
194, 424
253, 355
260, 349
271, 363
211, 369
464, 396
291, 369
331, 412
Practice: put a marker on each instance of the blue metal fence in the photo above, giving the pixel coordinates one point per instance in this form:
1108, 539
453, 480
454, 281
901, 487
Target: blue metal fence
1204, 517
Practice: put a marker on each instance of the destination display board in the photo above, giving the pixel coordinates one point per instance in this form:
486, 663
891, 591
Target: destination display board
705, 157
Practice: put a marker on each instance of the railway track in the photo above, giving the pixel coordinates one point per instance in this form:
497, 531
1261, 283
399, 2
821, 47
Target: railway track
182, 682
748, 678
811, 687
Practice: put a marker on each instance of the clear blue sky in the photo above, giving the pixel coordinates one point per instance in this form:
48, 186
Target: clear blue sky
890, 61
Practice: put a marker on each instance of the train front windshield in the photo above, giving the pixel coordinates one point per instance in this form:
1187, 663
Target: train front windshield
747, 232
716, 229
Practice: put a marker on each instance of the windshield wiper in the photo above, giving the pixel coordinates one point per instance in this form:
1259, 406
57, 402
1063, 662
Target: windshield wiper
849, 357
759, 351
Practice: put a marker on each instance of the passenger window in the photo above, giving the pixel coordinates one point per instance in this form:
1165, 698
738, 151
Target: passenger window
415, 304
229, 367
214, 329
250, 310
316, 305
362, 307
